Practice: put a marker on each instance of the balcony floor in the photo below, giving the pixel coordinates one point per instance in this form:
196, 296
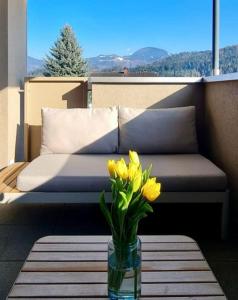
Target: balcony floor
20, 227
8, 177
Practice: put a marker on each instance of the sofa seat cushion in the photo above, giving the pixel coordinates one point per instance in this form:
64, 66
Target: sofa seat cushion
88, 173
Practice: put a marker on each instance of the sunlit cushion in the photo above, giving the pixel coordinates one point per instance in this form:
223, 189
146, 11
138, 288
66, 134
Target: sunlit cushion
79, 130
88, 173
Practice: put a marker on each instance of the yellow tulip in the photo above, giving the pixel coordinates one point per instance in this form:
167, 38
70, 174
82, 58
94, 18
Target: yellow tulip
111, 165
137, 180
151, 189
134, 158
132, 170
121, 169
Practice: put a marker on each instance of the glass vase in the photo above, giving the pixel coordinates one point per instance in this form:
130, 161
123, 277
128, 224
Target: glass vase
124, 270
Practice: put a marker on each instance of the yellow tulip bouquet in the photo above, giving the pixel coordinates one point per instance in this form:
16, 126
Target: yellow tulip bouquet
132, 192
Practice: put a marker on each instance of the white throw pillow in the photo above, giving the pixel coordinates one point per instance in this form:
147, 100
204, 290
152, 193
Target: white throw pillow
79, 130
155, 131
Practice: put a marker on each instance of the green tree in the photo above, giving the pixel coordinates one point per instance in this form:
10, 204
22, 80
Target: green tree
65, 57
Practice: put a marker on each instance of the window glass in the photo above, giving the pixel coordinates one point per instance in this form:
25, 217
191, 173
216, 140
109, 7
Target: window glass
228, 36
126, 37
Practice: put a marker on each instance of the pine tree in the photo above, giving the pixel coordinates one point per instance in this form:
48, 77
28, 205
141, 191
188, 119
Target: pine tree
65, 57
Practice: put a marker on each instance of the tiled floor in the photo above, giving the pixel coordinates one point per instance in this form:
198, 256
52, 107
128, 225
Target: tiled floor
20, 227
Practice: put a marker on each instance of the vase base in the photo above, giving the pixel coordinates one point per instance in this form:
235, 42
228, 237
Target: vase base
121, 296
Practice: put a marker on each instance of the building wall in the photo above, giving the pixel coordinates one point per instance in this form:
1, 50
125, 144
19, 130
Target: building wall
61, 92
152, 95
221, 108
12, 72
17, 69
149, 95
3, 84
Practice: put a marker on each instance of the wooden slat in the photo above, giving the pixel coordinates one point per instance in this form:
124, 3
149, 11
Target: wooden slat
102, 256
100, 266
11, 182
105, 238
8, 182
103, 247
63, 290
178, 289
74, 290
75, 267
96, 277
61, 277
166, 239
4, 173
141, 298
179, 276
15, 190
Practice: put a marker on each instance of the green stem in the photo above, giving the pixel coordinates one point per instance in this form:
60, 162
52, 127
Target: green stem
135, 284
116, 274
136, 274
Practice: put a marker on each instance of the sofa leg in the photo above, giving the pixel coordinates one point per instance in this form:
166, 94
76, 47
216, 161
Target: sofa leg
225, 219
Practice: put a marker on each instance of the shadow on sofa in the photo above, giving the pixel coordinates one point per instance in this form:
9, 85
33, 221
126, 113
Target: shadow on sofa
186, 175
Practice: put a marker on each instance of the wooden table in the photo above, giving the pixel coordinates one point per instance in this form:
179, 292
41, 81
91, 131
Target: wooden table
173, 268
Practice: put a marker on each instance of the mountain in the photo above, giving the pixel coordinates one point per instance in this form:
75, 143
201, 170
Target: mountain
148, 54
33, 64
101, 62
198, 63
156, 61
141, 57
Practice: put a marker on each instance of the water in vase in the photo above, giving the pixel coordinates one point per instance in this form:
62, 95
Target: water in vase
124, 272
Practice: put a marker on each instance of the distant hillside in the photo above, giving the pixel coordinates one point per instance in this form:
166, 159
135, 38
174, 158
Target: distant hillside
33, 64
148, 54
156, 61
101, 62
193, 63
141, 57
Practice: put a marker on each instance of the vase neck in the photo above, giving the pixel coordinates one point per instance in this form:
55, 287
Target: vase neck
121, 243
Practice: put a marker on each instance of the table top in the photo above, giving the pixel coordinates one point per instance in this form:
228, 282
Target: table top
173, 268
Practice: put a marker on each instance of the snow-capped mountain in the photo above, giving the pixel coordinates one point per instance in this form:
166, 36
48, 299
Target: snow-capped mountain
139, 58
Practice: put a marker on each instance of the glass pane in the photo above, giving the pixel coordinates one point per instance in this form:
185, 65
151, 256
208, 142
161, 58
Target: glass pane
127, 37
229, 37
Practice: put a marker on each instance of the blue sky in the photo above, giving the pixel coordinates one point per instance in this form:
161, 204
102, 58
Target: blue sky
124, 26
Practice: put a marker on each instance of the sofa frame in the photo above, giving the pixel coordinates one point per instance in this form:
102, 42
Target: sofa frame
33, 101
9, 195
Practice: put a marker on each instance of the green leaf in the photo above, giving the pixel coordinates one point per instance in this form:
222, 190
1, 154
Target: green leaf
119, 184
123, 202
113, 181
148, 207
141, 209
146, 174
129, 192
134, 203
149, 171
105, 210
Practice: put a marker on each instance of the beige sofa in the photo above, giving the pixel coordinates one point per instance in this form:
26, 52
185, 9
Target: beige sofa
76, 144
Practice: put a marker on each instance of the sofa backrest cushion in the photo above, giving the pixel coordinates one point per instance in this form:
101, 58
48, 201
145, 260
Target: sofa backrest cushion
165, 130
79, 130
